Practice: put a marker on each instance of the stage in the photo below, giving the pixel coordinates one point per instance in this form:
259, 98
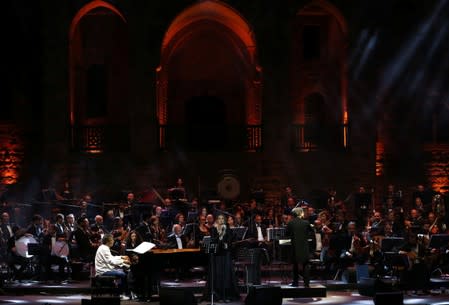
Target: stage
320, 292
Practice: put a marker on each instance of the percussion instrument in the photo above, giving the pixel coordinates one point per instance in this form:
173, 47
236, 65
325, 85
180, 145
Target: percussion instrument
60, 248
22, 245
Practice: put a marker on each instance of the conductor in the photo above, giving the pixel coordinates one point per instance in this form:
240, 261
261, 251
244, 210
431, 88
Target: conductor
298, 229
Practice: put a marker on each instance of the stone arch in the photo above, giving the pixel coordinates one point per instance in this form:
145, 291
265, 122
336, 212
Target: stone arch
333, 32
207, 24
98, 70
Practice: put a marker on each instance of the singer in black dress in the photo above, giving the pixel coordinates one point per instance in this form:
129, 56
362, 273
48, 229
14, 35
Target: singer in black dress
225, 281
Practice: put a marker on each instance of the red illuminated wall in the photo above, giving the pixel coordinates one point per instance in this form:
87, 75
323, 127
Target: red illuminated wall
209, 49
11, 153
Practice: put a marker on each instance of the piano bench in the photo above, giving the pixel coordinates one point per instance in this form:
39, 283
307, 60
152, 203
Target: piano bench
104, 284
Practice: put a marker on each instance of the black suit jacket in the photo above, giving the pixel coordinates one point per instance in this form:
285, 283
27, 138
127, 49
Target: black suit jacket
172, 244
252, 230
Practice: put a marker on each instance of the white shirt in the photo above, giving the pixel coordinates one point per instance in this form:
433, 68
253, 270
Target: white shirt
179, 242
259, 233
105, 261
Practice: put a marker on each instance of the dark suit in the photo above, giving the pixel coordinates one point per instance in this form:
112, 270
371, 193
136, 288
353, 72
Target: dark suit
144, 231
252, 230
172, 243
299, 230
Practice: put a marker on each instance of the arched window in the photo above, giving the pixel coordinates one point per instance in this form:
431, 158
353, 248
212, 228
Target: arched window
319, 65
99, 84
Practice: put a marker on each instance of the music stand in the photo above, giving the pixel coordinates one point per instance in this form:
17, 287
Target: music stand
239, 233
192, 217
439, 241
393, 260
210, 246
392, 244
275, 234
34, 249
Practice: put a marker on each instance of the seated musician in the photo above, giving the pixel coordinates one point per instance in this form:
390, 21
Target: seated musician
377, 225
144, 229
98, 225
199, 231
60, 226
125, 210
70, 223
108, 222
67, 192
107, 264
257, 230
157, 232
177, 240
257, 237
351, 247
36, 227
144, 275
14, 257
54, 253
416, 276
82, 245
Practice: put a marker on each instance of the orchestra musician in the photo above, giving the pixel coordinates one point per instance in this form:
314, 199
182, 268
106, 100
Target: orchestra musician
67, 192
98, 226
416, 277
14, 257
144, 228
377, 224
178, 192
82, 239
257, 230
60, 226
5, 234
177, 240
125, 210
51, 253
139, 277
157, 232
108, 264
36, 227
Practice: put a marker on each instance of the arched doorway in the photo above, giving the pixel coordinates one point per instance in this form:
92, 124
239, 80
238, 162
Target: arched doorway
208, 53
206, 123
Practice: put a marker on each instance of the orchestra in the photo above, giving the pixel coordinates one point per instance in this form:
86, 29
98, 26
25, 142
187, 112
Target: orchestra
73, 234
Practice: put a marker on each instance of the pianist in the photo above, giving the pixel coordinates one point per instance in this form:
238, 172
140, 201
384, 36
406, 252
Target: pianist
107, 264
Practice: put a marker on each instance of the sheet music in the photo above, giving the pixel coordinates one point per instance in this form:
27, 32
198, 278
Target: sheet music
285, 241
143, 247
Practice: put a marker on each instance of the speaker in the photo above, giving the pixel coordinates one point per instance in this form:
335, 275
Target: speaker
176, 296
264, 295
366, 286
389, 298
369, 286
103, 300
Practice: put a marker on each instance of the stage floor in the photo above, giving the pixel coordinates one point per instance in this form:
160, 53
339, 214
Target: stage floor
333, 298
73, 292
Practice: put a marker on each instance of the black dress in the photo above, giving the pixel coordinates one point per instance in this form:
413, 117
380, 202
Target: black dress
224, 280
